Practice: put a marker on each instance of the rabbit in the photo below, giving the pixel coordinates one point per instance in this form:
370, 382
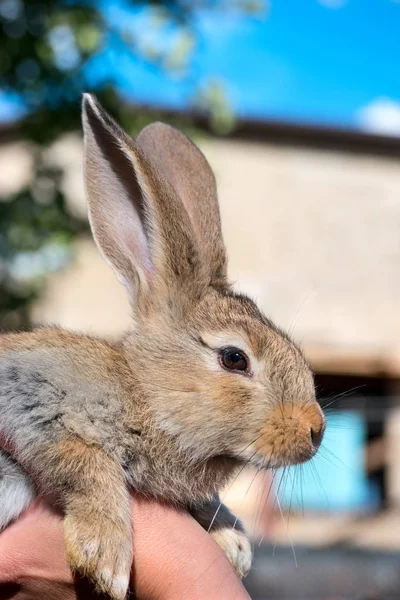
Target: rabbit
201, 385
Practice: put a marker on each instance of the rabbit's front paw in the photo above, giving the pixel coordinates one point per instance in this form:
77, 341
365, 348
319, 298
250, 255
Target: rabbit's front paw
236, 547
100, 549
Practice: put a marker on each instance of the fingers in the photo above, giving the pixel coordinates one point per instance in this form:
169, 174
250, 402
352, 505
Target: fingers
174, 557
31, 543
32, 558
183, 559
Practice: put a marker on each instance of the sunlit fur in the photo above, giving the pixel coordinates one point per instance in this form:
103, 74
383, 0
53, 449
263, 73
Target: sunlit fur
155, 411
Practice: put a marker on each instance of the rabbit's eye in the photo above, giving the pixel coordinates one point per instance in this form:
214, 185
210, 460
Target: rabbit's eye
234, 359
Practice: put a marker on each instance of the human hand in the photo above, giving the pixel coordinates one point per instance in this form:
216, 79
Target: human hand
174, 558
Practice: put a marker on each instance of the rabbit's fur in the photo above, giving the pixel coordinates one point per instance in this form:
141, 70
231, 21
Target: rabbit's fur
155, 412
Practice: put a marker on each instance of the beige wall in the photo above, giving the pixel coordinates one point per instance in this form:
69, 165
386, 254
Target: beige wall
316, 235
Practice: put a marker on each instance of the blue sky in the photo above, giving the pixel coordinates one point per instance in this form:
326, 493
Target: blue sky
327, 62
331, 62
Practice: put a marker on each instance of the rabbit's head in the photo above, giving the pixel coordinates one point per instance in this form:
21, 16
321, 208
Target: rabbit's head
218, 376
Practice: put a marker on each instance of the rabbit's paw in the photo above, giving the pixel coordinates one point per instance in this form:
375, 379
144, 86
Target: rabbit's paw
101, 550
236, 547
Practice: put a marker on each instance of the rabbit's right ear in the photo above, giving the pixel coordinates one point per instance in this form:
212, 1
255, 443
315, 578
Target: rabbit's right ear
115, 198
137, 219
182, 163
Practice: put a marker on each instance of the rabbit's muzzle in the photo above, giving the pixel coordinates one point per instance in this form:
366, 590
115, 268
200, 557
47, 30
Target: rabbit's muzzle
292, 435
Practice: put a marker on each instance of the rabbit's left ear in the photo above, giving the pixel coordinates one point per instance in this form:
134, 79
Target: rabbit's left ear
184, 166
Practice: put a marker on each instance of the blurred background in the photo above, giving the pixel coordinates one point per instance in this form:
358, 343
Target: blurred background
297, 107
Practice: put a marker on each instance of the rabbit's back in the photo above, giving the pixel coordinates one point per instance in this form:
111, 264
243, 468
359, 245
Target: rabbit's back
55, 384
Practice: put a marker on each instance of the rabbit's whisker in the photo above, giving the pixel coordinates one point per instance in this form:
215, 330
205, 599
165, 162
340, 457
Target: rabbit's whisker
331, 400
246, 492
317, 480
259, 502
266, 500
294, 483
281, 406
168, 389
254, 526
228, 490
326, 450
299, 313
248, 461
287, 529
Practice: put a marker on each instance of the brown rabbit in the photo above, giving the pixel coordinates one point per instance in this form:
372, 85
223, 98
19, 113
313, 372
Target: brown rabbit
202, 384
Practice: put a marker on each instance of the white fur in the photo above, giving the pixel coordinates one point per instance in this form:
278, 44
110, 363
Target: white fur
236, 546
17, 491
118, 584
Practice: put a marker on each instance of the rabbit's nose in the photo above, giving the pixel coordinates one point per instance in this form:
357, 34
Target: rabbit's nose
293, 433
316, 434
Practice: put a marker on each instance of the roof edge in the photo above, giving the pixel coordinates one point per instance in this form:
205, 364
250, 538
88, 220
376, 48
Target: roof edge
364, 362
268, 130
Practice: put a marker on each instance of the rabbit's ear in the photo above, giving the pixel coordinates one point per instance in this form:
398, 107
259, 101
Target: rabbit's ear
187, 170
136, 217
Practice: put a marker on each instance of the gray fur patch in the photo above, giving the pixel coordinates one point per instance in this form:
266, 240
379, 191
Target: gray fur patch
43, 396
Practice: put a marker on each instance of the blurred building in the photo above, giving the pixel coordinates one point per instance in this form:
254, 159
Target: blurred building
311, 220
